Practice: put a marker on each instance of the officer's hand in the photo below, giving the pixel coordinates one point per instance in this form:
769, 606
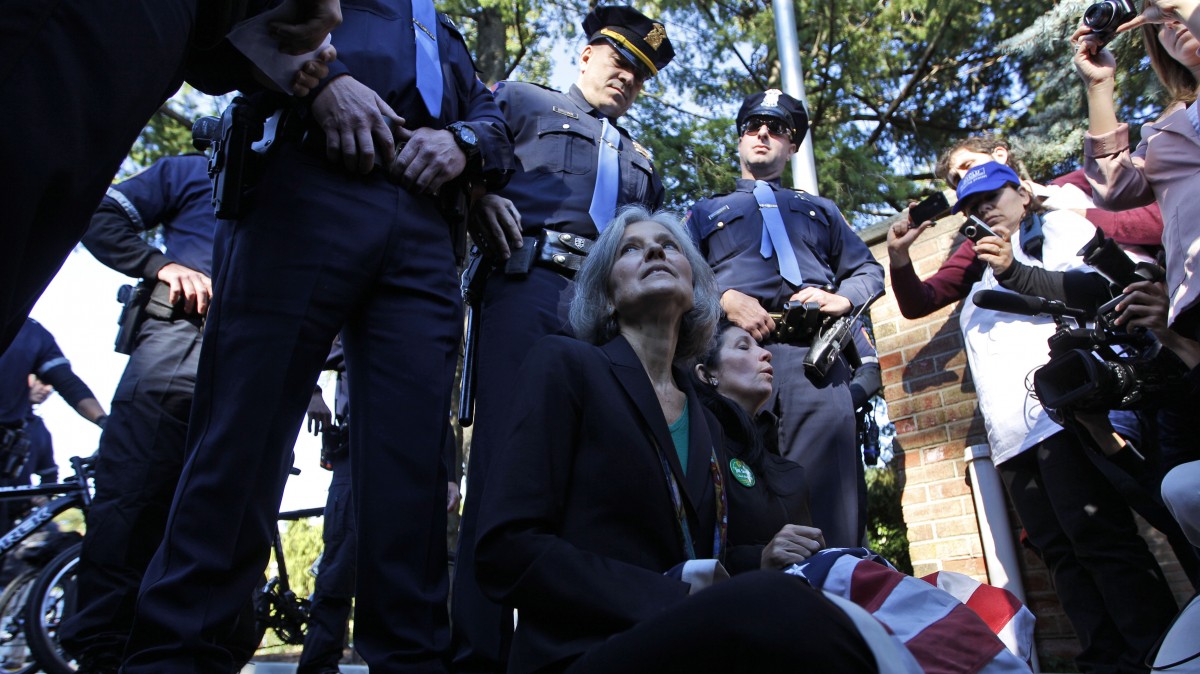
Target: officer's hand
831, 304
38, 390
312, 72
357, 124
453, 496
429, 159
996, 252
746, 313
190, 285
792, 545
319, 416
497, 220
301, 25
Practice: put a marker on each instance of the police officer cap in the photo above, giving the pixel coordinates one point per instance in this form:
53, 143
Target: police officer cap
775, 103
642, 42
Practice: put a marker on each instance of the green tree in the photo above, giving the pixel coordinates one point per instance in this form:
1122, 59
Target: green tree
301, 545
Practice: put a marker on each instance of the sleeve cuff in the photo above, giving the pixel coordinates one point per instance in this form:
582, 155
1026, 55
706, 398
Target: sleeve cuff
336, 70
154, 263
1106, 144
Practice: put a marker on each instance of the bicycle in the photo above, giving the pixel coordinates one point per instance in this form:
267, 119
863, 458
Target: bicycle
277, 607
25, 642
51, 599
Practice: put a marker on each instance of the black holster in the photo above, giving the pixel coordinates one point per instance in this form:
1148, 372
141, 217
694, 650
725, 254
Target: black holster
133, 301
14, 450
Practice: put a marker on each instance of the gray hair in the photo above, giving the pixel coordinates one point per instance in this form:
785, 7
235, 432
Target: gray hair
592, 315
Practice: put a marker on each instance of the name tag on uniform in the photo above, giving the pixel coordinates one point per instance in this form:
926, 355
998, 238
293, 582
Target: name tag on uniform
568, 113
719, 211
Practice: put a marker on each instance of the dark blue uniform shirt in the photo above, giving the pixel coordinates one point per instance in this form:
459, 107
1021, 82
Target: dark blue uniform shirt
174, 192
34, 351
556, 145
367, 25
728, 229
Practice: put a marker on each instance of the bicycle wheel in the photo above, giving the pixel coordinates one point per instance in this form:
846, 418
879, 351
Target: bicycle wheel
15, 657
51, 600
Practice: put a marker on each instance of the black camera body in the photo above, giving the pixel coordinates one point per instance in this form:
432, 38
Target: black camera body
1106, 16
975, 229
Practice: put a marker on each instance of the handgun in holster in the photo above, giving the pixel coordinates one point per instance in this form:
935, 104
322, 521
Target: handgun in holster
335, 443
14, 451
238, 139
133, 301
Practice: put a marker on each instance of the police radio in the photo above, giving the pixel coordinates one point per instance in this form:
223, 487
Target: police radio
830, 342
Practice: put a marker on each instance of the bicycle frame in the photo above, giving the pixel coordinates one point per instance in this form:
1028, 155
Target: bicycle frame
74, 492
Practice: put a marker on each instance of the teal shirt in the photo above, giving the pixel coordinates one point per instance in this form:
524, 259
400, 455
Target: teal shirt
679, 435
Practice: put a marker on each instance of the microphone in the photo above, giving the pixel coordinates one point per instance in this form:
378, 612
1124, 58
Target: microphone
1025, 305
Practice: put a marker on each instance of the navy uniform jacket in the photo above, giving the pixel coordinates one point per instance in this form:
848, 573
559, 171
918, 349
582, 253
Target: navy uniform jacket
174, 192
34, 351
576, 525
728, 229
376, 46
556, 142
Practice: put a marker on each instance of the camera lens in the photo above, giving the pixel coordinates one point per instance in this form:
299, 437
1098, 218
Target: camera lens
1099, 16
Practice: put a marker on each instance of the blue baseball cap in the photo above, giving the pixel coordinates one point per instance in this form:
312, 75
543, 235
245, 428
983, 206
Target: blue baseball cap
984, 178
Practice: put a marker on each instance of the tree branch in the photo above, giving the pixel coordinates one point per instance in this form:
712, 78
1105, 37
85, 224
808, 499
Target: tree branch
906, 91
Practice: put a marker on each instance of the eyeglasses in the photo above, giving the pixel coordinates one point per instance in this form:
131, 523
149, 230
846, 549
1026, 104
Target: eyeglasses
774, 125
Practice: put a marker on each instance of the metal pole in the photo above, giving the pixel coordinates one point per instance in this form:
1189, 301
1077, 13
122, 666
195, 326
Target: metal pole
804, 167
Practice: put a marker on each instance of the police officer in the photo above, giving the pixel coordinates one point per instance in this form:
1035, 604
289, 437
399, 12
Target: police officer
576, 166
128, 53
769, 245
342, 232
142, 447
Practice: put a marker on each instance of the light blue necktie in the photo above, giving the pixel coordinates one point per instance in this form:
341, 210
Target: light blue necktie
429, 66
608, 177
774, 234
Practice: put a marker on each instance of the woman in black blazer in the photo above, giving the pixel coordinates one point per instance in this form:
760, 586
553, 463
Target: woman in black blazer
607, 508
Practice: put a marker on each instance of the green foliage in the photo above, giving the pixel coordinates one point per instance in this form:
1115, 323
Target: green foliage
886, 532
169, 131
301, 546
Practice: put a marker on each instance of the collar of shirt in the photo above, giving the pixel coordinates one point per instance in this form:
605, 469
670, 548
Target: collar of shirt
747, 184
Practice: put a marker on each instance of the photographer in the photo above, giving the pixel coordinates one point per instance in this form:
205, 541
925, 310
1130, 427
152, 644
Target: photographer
1162, 167
1108, 582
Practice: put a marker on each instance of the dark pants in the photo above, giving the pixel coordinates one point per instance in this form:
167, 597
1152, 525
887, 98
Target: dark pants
327, 620
817, 431
141, 456
765, 621
320, 251
1110, 586
57, 59
516, 313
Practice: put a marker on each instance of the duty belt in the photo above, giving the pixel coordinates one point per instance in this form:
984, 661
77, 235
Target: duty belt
562, 252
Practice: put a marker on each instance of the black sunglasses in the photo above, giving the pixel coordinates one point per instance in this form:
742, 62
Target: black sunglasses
775, 125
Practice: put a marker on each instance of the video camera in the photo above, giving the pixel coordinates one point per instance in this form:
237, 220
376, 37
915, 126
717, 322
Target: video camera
1103, 367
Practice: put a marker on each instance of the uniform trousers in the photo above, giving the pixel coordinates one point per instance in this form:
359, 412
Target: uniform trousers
319, 251
141, 455
325, 637
763, 621
516, 313
817, 431
58, 58
1110, 586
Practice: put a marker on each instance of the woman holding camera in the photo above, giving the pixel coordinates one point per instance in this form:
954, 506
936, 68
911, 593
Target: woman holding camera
1108, 582
1165, 166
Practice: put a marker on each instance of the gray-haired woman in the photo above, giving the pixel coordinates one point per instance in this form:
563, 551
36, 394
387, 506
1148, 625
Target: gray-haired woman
607, 506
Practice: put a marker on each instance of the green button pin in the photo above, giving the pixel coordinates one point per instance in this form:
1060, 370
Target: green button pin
741, 472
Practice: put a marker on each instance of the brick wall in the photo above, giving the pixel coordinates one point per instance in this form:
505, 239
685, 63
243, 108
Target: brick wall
931, 400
